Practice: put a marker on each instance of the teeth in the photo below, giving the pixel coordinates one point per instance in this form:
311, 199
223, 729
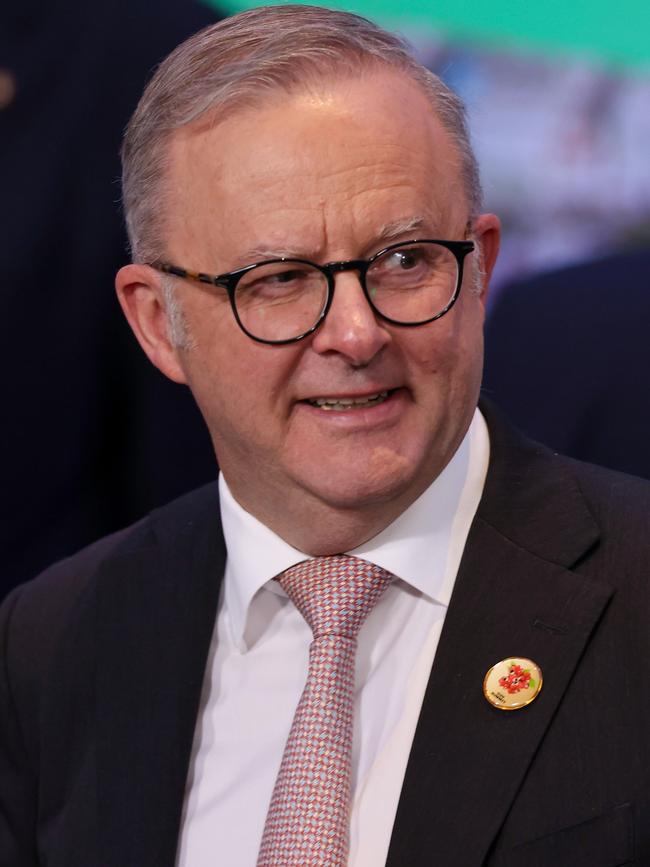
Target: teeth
342, 403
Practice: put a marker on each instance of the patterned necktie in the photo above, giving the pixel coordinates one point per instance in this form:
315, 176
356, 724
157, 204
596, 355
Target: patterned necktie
308, 818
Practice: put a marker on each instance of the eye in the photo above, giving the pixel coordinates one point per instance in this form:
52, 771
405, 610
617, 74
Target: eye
276, 278
286, 277
281, 284
406, 259
402, 260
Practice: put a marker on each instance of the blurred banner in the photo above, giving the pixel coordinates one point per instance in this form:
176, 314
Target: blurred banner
612, 32
559, 106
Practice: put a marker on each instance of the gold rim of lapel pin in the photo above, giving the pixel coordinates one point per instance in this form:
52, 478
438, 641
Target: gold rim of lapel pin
512, 683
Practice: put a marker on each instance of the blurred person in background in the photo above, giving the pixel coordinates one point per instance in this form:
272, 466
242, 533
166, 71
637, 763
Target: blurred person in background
567, 355
91, 436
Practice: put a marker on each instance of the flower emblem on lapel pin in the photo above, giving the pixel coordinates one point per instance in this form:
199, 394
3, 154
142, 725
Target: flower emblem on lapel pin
512, 683
518, 678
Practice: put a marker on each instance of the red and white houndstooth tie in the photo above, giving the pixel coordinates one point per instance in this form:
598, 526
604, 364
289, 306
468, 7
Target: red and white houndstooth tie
309, 815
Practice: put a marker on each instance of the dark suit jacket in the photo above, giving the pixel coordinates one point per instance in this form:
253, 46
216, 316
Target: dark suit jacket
104, 657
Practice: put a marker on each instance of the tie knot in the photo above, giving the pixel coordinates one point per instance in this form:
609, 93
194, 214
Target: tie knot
335, 594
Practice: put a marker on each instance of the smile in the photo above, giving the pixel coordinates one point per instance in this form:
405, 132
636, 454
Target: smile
342, 404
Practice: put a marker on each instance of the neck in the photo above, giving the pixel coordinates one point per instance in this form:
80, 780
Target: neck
318, 528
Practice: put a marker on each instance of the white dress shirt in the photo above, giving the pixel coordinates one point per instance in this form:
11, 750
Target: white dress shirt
257, 668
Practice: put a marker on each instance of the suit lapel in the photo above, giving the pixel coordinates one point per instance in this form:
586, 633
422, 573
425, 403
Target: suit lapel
514, 595
155, 617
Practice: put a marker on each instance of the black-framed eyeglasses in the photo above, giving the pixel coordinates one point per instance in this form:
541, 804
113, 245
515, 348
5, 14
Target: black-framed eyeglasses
281, 301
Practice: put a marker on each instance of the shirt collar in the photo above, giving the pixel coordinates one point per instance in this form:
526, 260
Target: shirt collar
422, 546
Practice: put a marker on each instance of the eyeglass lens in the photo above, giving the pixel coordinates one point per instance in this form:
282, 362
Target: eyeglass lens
408, 284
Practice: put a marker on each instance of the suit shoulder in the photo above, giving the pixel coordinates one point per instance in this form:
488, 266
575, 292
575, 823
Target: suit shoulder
48, 625
34, 614
613, 497
620, 506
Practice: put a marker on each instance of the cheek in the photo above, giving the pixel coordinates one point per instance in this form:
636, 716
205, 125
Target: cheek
432, 351
230, 392
446, 358
241, 387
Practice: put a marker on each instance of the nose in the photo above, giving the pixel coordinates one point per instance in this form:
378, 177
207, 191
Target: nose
351, 328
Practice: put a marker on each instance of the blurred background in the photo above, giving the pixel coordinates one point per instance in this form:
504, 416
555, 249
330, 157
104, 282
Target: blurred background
558, 96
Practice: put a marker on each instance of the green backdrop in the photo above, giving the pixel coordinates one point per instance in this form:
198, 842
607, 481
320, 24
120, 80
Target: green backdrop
617, 33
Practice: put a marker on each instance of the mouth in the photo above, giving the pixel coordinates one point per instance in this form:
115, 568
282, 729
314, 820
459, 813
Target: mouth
345, 404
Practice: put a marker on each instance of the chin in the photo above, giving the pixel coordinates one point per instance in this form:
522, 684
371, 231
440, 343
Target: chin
381, 477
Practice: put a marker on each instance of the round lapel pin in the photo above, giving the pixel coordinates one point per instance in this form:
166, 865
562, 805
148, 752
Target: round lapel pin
512, 683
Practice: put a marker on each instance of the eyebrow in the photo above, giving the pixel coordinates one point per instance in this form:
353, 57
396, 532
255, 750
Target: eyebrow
256, 254
396, 229
393, 231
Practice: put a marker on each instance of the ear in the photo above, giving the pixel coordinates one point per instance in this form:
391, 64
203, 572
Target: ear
486, 230
139, 290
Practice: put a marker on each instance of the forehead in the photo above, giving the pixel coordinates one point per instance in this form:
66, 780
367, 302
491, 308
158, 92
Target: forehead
327, 165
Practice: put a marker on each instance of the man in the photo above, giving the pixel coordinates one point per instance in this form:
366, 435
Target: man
310, 256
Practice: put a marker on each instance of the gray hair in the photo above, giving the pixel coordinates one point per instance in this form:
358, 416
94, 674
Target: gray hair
236, 63
177, 329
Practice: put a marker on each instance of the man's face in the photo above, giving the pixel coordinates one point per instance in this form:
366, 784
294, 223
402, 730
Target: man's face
336, 172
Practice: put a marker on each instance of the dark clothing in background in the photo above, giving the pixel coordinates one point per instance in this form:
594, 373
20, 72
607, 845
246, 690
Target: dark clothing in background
568, 358
92, 436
